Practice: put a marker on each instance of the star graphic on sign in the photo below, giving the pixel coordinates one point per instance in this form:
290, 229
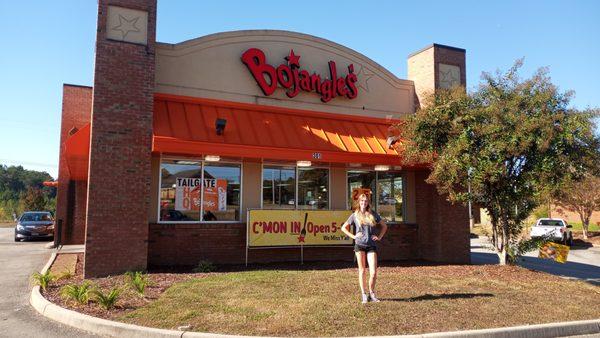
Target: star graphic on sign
126, 26
300, 239
448, 78
293, 59
363, 77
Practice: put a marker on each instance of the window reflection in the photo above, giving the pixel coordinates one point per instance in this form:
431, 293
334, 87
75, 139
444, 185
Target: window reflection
313, 188
279, 187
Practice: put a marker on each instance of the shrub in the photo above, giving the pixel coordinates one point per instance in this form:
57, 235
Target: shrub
107, 301
138, 281
205, 266
66, 275
78, 293
43, 280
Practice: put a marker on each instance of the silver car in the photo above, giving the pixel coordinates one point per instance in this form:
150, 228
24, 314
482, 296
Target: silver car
34, 224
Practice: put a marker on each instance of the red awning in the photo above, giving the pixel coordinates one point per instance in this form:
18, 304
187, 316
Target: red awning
77, 152
185, 125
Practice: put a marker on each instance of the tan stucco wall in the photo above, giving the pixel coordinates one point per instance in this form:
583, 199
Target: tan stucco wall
251, 187
154, 182
421, 70
211, 67
338, 188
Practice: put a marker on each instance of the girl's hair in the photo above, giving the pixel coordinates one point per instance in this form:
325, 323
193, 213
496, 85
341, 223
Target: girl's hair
367, 217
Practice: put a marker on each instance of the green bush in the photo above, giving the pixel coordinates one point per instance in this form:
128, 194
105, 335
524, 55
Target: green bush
205, 266
43, 280
78, 293
138, 281
107, 301
517, 249
67, 274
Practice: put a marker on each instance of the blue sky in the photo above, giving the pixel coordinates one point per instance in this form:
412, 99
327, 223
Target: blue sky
48, 43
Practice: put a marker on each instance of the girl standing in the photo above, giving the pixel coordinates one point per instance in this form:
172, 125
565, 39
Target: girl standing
365, 243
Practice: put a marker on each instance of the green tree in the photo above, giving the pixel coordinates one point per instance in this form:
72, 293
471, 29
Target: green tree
582, 197
33, 200
512, 139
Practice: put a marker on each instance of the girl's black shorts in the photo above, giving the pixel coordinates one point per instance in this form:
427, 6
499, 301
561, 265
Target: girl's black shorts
365, 248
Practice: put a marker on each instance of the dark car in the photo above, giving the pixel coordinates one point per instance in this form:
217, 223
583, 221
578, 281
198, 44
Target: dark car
34, 224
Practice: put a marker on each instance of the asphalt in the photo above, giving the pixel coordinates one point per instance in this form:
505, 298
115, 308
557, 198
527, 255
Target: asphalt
17, 318
583, 263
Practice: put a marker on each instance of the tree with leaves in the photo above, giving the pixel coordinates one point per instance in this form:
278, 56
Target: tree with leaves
582, 197
33, 200
510, 139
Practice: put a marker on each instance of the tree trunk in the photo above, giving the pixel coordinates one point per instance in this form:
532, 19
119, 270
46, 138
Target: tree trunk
585, 222
502, 252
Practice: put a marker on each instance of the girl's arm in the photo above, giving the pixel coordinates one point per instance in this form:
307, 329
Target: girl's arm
383, 230
346, 231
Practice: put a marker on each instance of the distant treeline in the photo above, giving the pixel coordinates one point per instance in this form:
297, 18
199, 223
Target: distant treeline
22, 190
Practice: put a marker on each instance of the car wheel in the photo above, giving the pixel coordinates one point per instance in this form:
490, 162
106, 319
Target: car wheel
570, 243
17, 239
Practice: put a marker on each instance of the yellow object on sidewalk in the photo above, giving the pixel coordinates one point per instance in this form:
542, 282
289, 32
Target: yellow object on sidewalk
554, 251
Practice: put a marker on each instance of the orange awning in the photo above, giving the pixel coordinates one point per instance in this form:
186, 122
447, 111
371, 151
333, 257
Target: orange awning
185, 125
77, 152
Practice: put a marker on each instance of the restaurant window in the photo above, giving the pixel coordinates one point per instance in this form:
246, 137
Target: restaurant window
358, 182
389, 196
279, 187
221, 194
179, 191
313, 188
186, 194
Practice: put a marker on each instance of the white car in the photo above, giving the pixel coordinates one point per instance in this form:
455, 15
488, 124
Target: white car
557, 228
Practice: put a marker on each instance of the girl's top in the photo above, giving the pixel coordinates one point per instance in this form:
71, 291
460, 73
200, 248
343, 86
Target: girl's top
367, 230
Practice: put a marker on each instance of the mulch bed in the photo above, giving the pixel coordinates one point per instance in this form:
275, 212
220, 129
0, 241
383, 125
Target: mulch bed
128, 301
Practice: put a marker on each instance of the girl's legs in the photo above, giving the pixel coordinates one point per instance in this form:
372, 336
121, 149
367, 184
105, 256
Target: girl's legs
361, 260
372, 258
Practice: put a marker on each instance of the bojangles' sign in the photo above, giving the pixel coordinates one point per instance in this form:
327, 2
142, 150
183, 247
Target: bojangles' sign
291, 77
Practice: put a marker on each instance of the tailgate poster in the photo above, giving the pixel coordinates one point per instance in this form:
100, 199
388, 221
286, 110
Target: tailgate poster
187, 194
556, 252
296, 227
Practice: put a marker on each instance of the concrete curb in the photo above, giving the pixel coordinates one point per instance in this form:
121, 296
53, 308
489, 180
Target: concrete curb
109, 328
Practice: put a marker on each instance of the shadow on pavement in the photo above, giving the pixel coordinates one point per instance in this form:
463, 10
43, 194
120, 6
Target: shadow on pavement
441, 296
585, 272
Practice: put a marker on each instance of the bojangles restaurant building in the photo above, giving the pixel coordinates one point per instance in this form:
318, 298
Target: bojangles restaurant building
243, 147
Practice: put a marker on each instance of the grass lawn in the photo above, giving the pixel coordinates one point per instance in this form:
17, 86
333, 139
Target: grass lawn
579, 227
415, 299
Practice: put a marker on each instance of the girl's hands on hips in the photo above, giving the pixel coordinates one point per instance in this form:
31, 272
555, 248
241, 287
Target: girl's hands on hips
375, 238
358, 235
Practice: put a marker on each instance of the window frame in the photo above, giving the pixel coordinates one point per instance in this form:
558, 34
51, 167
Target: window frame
296, 169
201, 211
376, 192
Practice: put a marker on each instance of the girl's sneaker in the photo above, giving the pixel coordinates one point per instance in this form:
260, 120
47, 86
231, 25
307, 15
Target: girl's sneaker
365, 298
373, 298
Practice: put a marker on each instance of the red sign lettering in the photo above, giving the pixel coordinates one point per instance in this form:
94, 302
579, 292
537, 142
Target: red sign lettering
293, 79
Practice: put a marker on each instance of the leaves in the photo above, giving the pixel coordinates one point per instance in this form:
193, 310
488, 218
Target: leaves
517, 138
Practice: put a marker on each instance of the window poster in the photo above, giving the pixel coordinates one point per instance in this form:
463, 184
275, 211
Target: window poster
187, 194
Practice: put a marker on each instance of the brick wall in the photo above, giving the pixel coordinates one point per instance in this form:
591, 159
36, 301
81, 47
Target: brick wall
76, 112
187, 244
121, 140
443, 230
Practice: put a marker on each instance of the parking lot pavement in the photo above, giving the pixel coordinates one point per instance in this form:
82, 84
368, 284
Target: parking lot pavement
17, 318
582, 263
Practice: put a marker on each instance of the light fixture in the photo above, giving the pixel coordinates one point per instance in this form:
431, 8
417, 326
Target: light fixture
212, 158
220, 126
382, 167
187, 162
303, 163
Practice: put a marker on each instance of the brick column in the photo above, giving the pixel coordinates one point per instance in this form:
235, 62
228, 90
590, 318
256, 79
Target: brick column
76, 111
121, 138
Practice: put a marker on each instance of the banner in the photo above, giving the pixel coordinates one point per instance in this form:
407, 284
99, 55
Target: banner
297, 227
556, 252
187, 194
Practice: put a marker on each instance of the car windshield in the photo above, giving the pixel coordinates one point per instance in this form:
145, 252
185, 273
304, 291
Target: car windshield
550, 222
36, 217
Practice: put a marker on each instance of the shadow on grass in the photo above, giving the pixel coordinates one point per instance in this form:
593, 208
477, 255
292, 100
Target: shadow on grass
440, 296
